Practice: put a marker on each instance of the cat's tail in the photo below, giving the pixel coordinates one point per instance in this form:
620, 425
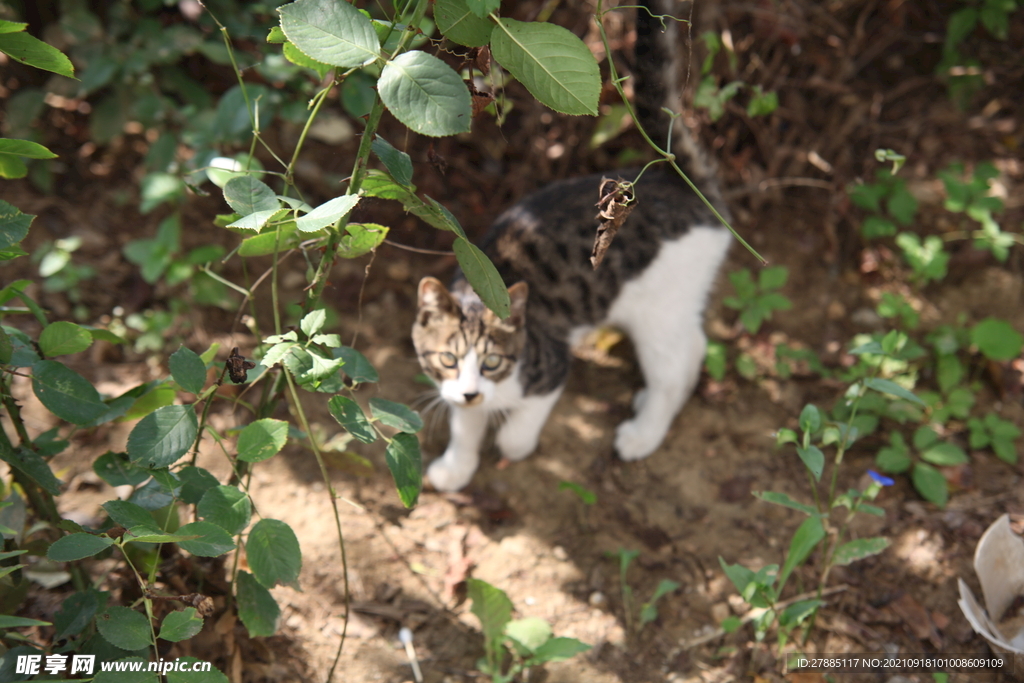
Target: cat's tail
659, 76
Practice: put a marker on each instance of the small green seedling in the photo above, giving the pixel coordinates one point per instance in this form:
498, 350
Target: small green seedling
527, 642
649, 610
757, 301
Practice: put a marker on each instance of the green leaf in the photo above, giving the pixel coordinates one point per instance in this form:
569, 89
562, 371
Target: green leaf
327, 213
406, 464
21, 47
587, 496
360, 239
212, 540
554, 65
313, 322
128, 514
147, 533
188, 370
194, 676
997, 339
930, 483
334, 33
195, 482
482, 8
227, 507
247, 195
8, 621
894, 459
65, 393
14, 225
61, 338
157, 188
785, 501
483, 276
798, 611
739, 575
124, 628
178, 626
396, 415
254, 221
886, 386
772, 277
813, 459
163, 436
117, 470
12, 26
300, 58
274, 554
426, 95
357, 367
77, 546
262, 439
810, 419
76, 612
350, 416
492, 607
461, 25
945, 454
24, 148
256, 606
858, 550
807, 536
557, 650
531, 632
32, 465
398, 163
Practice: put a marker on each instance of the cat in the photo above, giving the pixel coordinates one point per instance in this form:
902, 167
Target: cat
653, 284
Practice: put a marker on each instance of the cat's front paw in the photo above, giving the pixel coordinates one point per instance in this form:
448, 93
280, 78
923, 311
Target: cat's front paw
445, 477
516, 444
634, 442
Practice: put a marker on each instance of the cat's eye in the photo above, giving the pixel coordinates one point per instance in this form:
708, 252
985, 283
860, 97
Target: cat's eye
492, 361
447, 359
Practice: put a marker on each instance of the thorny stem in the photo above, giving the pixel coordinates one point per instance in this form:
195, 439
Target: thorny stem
668, 156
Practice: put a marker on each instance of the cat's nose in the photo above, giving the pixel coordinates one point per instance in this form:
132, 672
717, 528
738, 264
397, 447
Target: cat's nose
470, 396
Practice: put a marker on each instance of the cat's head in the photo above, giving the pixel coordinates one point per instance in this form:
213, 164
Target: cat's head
463, 346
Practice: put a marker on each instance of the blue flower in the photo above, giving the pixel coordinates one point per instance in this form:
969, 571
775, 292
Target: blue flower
884, 481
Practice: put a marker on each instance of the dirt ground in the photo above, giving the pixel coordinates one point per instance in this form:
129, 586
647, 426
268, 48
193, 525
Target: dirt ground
852, 77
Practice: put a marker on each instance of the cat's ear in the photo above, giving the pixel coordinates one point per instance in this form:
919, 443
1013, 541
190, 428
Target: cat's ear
434, 299
517, 295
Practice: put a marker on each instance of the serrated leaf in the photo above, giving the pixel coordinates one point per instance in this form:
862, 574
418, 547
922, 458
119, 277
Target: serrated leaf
334, 33
65, 393
128, 514
163, 436
248, 195
273, 553
491, 606
886, 386
256, 606
930, 483
806, 538
21, 47
406, 464
76, 612
77, 546
483, 276
461, 25
254, 221
357, 367
482, 8
328, 213
313, 322
396, 415
212, 540
188, 370
397, 162
554, 65
31, 464
117, 470
124, 628
61, 338
858, 550
425, 94
350, 416
178, 626
262, 439
300, 58
227, 507
194, 675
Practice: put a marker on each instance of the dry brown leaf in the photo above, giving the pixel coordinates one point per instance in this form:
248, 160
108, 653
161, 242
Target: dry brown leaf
614, 206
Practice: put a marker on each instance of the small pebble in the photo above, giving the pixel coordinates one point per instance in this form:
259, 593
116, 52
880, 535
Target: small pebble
560, 554
597, 599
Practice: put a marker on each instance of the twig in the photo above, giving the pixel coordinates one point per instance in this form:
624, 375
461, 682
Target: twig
758, 611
